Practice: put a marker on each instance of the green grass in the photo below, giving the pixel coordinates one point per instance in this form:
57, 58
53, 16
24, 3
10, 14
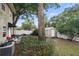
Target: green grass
66, 48
33, 47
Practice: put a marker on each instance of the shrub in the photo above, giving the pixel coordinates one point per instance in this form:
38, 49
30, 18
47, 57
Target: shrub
35, 32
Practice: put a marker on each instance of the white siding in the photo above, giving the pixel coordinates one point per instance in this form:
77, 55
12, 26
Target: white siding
5, 17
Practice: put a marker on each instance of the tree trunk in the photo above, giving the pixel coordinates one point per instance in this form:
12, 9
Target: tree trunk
15, 18
41, 24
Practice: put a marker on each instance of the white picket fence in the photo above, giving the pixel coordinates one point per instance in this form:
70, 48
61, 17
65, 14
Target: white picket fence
62, 36
76, 38
19, 32
50, 32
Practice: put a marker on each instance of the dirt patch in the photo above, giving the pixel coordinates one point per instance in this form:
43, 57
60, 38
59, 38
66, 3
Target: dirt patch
17, 49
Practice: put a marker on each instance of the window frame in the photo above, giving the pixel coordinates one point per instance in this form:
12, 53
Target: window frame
3, 7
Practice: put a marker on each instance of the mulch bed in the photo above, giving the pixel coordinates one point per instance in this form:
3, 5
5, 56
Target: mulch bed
17, 49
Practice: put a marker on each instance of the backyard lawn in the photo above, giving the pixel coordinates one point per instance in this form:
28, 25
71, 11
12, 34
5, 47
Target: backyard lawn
58, 47
65, 47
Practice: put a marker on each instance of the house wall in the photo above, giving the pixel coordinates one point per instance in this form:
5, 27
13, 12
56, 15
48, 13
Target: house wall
5, 17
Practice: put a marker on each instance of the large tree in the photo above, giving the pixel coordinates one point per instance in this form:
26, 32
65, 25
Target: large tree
30, 9
41, 24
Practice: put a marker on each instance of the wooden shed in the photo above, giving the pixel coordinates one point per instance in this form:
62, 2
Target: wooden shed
50, 32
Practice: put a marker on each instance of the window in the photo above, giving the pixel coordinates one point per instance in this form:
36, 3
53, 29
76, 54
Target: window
4, 34
4, 31
3, 7
4, 28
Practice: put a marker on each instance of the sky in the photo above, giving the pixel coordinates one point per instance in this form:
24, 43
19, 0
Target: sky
50, 13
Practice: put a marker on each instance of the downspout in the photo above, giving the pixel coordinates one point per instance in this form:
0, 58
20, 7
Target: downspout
13, 22
9, 32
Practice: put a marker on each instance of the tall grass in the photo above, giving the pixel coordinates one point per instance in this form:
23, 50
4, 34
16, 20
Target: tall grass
33, 47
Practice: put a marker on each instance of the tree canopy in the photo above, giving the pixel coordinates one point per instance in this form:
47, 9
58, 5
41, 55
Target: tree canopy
28, 25
30, 9
68, 21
